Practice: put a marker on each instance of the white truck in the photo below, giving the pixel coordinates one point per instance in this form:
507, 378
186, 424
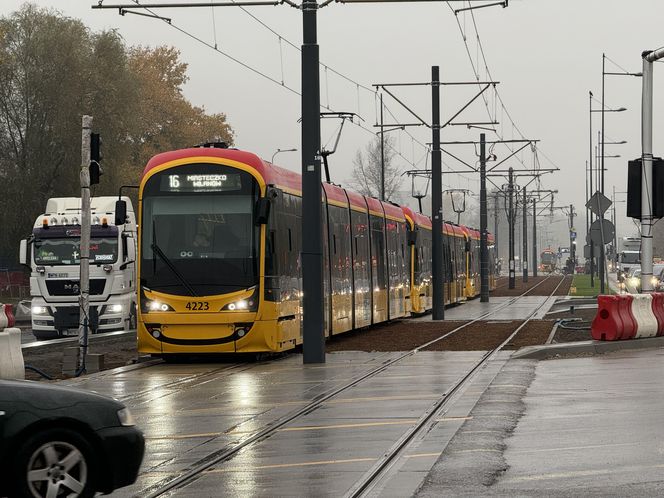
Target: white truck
629, 255
53, 254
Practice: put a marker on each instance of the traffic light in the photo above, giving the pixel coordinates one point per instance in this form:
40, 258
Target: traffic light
634, 188
95, 158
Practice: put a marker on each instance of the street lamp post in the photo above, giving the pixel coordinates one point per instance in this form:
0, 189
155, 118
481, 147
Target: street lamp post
599, 161
278, 151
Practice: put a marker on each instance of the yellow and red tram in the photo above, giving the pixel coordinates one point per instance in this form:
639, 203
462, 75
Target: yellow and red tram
219, 256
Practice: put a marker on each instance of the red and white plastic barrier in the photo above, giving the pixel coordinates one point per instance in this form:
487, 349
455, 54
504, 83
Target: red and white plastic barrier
6, 316
628, 316
11, 354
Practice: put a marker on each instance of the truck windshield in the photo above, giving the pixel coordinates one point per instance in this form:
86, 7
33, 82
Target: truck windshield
201, 218
631, 257
67, 251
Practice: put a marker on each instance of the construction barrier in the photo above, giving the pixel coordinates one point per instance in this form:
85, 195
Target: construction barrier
6, 316
628, 316
629, 322
11, 354
658, 310
607, 324
645, 318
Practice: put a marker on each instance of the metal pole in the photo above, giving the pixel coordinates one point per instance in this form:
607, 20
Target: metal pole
590, 192
524, 236
484, 253
602, 143
602, 248
437, 199
615, 232
86, 228
510, 218
572, 247
534, 237
313, 348
495, 223
646, 176
382, 152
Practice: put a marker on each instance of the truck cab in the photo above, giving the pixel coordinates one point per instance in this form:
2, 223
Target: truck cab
628, 260
53, 254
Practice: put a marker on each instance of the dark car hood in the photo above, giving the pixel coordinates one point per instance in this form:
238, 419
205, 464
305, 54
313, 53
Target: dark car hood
47, 400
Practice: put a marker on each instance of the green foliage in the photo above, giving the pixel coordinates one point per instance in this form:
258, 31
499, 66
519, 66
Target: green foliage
582, 284
53, 70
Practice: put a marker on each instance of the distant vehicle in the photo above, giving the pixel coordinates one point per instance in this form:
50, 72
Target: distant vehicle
57, 441
548, 261
627, 260
53, 255
632, 280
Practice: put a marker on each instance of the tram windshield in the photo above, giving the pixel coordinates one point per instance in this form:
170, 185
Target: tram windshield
198, 231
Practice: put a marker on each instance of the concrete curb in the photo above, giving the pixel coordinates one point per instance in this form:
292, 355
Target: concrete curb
549, 351
74, 339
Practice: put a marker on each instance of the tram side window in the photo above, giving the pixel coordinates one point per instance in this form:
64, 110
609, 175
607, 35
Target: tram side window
378, 251
271, 249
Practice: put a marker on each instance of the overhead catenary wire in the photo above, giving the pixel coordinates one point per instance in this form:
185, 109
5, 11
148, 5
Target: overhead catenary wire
475, 68
263, 74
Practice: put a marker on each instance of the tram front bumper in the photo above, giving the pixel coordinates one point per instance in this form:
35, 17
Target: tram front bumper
242, 335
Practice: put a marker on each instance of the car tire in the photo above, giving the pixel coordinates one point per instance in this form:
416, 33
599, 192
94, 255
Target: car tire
55, 458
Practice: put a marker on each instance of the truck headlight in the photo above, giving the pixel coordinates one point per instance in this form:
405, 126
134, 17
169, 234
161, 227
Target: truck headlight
115, 308
40, 310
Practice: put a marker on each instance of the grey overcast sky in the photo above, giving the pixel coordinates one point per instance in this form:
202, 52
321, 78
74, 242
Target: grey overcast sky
546, 55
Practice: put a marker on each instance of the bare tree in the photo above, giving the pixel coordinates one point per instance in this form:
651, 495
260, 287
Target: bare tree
366, 176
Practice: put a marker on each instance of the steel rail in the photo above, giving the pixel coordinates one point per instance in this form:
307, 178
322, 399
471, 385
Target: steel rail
197, 468
374, 475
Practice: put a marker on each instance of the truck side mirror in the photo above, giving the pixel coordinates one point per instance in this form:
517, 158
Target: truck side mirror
23, 253
120, 212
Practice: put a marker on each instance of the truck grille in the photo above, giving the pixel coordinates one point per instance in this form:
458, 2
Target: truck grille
72, 287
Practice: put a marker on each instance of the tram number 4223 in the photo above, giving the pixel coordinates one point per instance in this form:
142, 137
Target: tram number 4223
198, 306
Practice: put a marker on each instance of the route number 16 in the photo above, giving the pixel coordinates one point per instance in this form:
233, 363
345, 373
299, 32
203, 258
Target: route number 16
174, 181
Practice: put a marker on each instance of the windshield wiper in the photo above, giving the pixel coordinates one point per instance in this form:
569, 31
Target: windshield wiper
155, 248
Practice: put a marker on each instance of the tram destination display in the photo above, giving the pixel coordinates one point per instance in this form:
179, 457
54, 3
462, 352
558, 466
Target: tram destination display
201, 182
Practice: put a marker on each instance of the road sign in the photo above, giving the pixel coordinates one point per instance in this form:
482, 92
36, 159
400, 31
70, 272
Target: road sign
601, 231
586, 251
598, 204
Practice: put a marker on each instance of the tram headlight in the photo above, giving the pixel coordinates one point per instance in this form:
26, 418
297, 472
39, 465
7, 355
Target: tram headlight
156, 306
241, 305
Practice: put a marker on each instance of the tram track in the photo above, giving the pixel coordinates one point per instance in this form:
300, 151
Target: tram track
198, 468
366, 484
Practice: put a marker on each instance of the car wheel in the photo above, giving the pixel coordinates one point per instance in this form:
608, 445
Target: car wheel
54, 463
